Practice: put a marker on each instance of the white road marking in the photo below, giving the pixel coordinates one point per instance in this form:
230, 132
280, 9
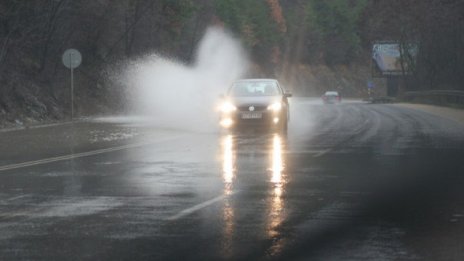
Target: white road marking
322, 153
17, 197
9, 200
36, 126
198, 207
79, 155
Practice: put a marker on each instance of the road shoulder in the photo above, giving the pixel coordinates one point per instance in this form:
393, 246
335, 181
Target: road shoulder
456, 115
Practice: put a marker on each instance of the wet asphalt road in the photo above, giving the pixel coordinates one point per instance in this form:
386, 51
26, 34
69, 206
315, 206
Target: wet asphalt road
348, 182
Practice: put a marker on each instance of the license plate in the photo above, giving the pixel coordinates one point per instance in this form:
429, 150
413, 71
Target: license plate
252, 115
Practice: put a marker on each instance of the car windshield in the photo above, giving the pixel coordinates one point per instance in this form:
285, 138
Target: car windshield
254, 88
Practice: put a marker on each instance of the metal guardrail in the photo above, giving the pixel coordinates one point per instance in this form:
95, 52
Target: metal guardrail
436, 96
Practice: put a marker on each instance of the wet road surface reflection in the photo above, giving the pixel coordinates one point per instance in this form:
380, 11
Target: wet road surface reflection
355, 181
276, 206
265, 153
228, 166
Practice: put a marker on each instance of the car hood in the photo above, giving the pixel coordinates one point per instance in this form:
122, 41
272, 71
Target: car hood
257, 100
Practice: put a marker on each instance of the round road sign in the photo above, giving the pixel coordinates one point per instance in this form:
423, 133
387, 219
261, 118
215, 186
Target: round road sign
72, 58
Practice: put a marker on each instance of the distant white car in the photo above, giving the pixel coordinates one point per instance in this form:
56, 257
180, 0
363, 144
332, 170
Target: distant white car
331, 97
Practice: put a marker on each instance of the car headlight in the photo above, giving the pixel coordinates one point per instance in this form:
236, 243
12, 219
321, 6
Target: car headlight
276, 106
227, 107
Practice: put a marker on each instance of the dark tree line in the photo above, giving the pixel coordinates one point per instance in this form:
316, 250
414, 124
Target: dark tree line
277, 34
34, 34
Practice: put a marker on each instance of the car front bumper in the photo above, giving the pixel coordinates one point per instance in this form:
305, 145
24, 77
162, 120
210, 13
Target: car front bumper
247, 118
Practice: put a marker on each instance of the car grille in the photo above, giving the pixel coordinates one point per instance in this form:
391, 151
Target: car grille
247, 107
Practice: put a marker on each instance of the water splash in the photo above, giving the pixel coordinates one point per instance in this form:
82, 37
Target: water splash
176, 95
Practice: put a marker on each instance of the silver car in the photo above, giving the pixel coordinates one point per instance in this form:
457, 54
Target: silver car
255, 102
331, 97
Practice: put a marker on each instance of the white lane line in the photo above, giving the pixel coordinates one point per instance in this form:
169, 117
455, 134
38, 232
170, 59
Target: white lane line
198, 207
79, 155
18, 197
322, 153
9, 200
37, 126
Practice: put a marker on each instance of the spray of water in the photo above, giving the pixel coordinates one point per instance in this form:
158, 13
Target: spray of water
174, 95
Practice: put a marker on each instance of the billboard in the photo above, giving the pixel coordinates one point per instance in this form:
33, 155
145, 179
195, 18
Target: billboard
393, 58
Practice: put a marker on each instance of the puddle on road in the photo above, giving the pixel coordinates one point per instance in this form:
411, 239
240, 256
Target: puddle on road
77, 207
102, 135
349, 240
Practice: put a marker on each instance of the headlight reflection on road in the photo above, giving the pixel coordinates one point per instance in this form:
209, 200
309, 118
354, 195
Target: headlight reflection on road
228, 160
228, 172
276, 207
228, 232
277, 162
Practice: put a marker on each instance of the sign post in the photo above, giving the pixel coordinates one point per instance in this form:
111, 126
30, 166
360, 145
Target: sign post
370, 86
72, 59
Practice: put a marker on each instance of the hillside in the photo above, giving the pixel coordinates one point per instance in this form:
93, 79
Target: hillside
310, 45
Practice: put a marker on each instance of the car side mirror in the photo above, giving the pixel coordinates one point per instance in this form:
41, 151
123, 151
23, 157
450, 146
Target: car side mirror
287, 94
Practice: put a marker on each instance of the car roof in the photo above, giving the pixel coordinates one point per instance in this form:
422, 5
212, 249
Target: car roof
256, 80
331, 93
